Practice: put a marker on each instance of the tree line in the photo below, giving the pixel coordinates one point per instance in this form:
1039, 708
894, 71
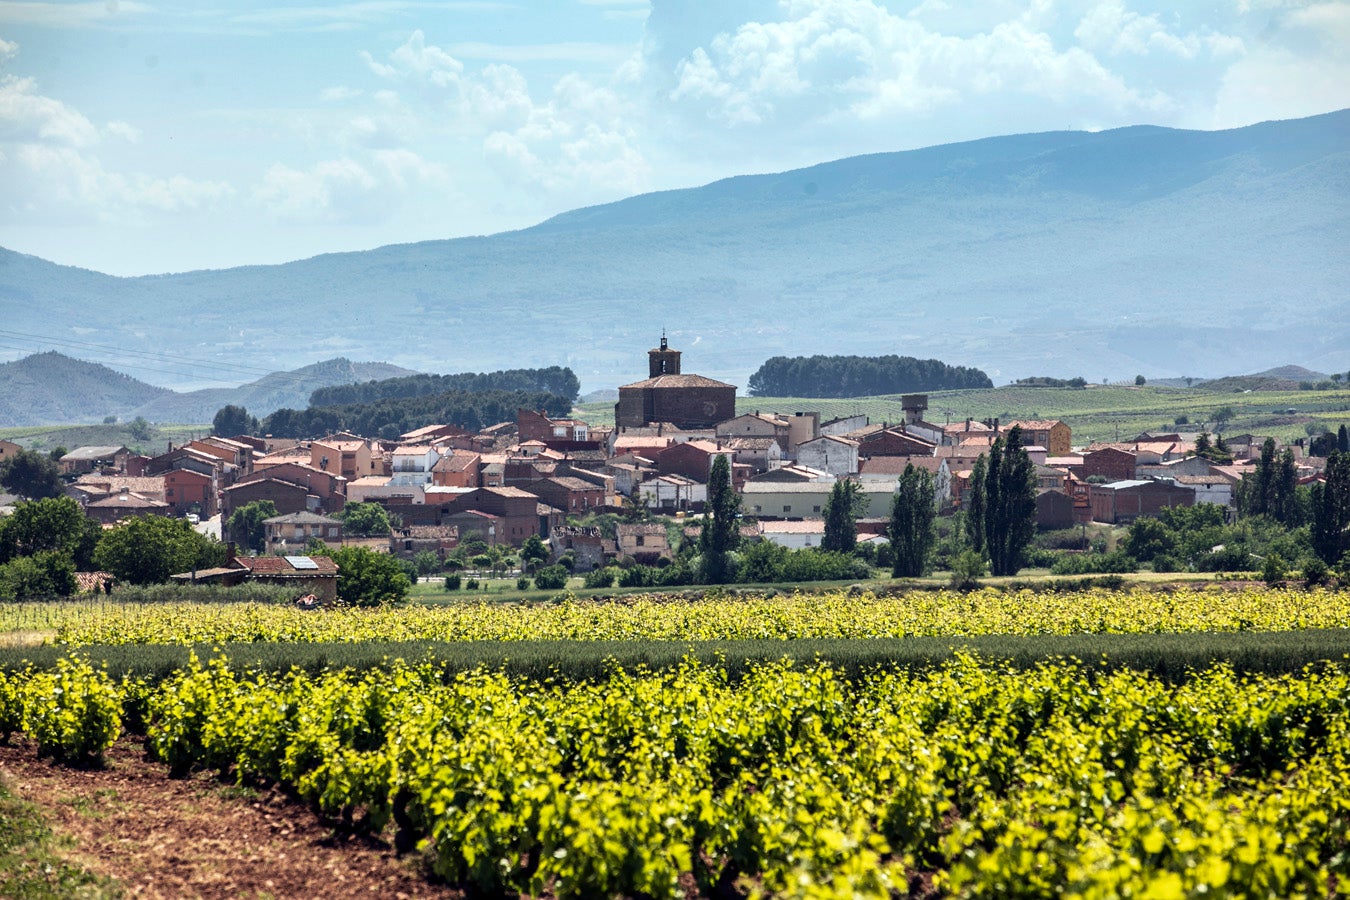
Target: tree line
558, 380
390, 417
859, 376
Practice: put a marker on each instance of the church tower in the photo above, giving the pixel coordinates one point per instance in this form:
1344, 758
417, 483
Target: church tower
663, 360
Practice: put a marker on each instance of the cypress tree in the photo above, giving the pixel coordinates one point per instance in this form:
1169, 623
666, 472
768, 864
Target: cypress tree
721, 526
841, 515
1006, 495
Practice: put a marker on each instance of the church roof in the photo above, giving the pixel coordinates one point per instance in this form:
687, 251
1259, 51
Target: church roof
678, 381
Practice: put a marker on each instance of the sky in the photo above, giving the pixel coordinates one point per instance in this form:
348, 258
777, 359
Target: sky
151, 137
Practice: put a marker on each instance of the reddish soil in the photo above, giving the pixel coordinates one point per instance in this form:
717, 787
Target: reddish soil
200, 837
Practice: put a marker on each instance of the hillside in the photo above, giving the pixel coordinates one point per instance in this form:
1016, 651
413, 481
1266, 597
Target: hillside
51, 388
1136, 250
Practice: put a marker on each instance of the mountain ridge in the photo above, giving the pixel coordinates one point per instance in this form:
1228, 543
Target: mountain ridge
1136, 250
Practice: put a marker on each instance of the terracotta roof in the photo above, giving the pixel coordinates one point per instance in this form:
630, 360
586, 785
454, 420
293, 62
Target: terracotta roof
895, 465
636, 528
458, 462
804, 526
277, 566
88, 582
1032, 424
678, 381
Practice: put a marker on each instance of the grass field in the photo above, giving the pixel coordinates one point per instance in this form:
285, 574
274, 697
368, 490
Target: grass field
48, 437
1097, 413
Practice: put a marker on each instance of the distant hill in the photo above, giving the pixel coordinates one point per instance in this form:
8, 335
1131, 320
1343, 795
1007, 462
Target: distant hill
1280, 378
1137, 250
269, 393
51, 388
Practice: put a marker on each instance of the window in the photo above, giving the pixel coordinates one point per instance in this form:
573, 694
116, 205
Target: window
815, 509
787, 508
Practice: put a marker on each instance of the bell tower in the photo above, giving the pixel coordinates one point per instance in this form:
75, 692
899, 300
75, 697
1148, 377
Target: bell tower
663, 360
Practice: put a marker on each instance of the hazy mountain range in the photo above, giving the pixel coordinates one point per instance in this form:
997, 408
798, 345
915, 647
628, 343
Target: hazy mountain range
51, 388
1139, 250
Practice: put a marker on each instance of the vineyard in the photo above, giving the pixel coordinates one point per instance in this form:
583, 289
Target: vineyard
796, 777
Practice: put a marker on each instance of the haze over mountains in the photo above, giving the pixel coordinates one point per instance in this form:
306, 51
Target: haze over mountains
51, 388
1137, 250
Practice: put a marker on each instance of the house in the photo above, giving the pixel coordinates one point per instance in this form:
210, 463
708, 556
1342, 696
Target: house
589, 548
558, 434
672, 493
574, 496
83, 460
1111, 463
645, 542
1054, 510
286, 496
382, 489
316, 575
759, 454
756, 425
188, 491
432, 434
793, 473
329, 487
349, 457
806, 500
893, 442
1052, 434
841, 425
233, 453
457, 468
889, 469
797, 534
830, 453
408, 541
692, 459
293, 532
1121, 502
1209, 489
8, 450
412, 464
124, 505
516, 514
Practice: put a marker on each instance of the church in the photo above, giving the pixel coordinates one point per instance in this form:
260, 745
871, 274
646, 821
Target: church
667, 395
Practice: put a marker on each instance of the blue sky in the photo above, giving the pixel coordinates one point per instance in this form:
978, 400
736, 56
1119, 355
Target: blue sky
141, 137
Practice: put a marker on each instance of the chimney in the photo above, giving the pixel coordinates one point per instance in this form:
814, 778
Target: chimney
230, 549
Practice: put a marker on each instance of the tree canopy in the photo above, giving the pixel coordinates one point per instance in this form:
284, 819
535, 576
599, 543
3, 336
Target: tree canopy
231, 420
367, 578
859, 376
1002, 509
246, 524
558, 380
841, 512
390, 417
31, 474
911, 526
721, 524
365, 519
148, 549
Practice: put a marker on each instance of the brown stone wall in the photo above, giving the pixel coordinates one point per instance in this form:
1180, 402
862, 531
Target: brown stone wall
693, 406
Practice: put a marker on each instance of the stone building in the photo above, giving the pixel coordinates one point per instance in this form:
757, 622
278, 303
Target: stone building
668, 395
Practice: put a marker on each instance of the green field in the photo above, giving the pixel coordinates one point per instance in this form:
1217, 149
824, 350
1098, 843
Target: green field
1096, 413
48, 437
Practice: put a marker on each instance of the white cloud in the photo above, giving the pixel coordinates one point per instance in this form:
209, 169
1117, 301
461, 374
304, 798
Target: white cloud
8, 50
27, 116
348, 190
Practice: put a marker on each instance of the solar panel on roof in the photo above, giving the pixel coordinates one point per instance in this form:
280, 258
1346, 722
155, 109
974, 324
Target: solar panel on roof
302, 562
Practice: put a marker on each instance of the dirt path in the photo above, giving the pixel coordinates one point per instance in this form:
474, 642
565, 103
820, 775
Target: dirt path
199, 837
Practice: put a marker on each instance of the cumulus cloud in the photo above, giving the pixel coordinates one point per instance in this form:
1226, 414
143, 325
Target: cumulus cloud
50, 164
346, 190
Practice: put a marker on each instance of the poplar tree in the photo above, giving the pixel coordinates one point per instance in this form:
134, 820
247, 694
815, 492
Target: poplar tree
841, 517
911, 526
1002, 512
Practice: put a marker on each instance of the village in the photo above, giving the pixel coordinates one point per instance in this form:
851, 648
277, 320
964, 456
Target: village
541, 477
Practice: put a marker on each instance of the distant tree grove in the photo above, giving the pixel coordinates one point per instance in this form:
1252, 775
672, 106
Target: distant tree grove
558, 380
389, 418
859, 376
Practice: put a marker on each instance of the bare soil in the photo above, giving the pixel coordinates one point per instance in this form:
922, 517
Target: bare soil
200, 837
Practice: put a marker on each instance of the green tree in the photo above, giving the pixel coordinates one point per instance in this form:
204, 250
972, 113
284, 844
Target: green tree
56, 524
532, 552
246, 524
32, 475
911, 527
365, 519
367, 578
841, 517
1140, 380
721, 524
1222, 416
1006, 486
231, 420
139, 429
1272, 490
1149, 538
148, 549
46, 574
1331, 510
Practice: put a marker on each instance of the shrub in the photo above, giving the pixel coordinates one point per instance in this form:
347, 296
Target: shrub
471, 584
452, 582
1273, 570
74, 713
523, 582
1315, 572
551, 578
601, 578
967, 570
1094, 563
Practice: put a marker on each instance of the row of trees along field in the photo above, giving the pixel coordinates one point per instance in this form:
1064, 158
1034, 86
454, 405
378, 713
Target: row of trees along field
859, 376
390, 417
558, 380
